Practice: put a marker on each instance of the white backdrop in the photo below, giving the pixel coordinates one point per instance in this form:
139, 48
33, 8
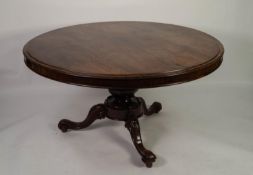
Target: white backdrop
205, 127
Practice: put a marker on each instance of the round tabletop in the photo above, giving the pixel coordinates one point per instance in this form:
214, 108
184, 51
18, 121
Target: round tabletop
123, 55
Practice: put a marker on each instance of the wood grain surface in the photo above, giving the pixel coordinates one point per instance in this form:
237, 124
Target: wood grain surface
124, 55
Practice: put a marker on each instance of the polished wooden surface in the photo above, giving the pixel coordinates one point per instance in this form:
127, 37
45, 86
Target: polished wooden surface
123, 57
124, 54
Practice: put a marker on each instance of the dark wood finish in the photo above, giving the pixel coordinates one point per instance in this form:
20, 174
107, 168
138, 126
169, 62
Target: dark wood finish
96, 112
124, 55
154, 108
134, 128
122, 105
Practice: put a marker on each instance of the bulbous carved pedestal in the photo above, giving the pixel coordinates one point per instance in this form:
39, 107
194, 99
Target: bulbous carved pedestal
122, 105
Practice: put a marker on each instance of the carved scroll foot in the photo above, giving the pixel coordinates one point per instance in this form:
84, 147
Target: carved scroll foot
96, 112
154, 108
147, 156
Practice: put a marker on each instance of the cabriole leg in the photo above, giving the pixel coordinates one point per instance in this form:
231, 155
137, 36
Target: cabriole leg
154, 108
96, 112
147, 156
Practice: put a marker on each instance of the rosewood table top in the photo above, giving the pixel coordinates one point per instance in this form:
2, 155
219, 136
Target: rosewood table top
124, 55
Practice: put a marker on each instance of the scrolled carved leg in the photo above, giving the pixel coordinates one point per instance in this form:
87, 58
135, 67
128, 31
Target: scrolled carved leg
154, 108
122, 105
96, 112
147, 156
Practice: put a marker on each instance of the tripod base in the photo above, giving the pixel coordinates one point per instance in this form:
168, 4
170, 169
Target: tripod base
122, 105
